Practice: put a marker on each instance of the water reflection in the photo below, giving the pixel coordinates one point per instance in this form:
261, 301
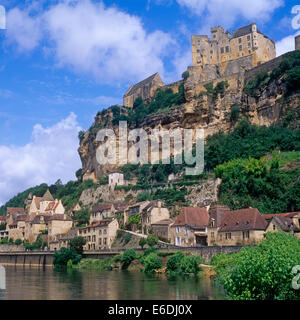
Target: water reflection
26, 283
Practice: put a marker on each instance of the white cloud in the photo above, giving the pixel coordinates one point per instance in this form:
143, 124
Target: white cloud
51, 155
225, 12
93, 39
286, 44
23, 29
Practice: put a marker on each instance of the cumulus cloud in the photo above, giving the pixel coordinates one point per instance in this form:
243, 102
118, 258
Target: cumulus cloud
286, 44
50, 155
91, 38
226, 12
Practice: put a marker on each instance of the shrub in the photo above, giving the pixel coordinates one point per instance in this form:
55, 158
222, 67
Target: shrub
128, 256
152, 240
263, 272
61, 257
18, 242
77, 244
173, 263
190, 264
142, 242
152, 262
234, 113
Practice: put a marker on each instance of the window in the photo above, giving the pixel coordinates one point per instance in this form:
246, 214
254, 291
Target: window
240, 47
248, 38
246, 234
100, 231
240, 40
186, 231
274, 227
222, 50
228, 236
227, 49
212, 234
249, 45
104, 231
100, 241
104, 241
177, 229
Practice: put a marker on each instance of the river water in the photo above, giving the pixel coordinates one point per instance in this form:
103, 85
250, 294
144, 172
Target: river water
34, 283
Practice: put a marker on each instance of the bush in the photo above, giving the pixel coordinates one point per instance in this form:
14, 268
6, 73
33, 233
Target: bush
152, 240
142, 242
62, 257
18, 242
190, 264
152, 262
263, 272
234, 113
128, 256
174, 262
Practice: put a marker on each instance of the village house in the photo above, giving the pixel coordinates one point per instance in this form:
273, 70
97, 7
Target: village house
99, 235
153, 212
75, 208
189, 228
162, 229
134, 209
100, 211
248, 226
2, 220
62, 240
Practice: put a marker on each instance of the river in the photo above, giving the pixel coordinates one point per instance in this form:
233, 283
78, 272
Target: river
48, 284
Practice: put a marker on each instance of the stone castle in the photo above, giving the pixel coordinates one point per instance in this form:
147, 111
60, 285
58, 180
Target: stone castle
222, 55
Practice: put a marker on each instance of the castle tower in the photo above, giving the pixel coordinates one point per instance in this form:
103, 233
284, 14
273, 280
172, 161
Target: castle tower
297, 42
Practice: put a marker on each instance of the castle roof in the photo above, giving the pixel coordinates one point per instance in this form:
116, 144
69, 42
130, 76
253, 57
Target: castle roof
47, 196
141, 84
243, 31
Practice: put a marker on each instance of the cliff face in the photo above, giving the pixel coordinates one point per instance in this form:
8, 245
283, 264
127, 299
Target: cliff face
267, 105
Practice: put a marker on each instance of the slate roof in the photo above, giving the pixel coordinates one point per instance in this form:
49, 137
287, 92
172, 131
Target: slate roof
47, 196
165, 222
245, 219
193, 217
243, 31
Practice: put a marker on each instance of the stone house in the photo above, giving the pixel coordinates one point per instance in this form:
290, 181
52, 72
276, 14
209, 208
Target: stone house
153, 212
99, 235
134, 209
189, 228
100, 211
248, 226
75, 208
145, 89
162, 229
62, 240
58, 224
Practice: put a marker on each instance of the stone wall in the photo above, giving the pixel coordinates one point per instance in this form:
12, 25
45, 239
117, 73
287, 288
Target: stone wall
11, 248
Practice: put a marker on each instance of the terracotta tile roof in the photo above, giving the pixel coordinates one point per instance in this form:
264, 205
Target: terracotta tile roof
193, 217
22, 217
10, 210
37, 202
245, 219
51, 206
101, 207
120, 206
287, 214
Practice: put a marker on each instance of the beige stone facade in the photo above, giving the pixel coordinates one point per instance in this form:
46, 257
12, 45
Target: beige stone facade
99, 235
162, 229
222, 47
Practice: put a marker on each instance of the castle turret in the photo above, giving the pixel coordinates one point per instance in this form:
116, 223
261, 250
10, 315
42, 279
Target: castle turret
297, 42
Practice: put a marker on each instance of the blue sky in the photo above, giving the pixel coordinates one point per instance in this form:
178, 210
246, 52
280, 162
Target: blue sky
62, 61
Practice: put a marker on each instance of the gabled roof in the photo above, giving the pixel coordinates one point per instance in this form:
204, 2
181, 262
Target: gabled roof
47, 196
101, 207
141, 84
165, 222
51, 206
216, 214
37, 202
11, 210
193, 217
245, 219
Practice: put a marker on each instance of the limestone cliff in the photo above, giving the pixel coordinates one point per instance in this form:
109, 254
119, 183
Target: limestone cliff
266, 105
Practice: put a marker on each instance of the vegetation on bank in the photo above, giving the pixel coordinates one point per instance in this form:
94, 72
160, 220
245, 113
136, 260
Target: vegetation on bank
289, 68
262, 272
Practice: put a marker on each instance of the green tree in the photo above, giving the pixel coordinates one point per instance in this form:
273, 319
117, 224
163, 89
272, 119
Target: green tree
128, 256
263, 272
77, 244
152, 262
82, 216
185, 75
64, 255
173, 263
18, 242
190, 264
152, 240
142, 242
